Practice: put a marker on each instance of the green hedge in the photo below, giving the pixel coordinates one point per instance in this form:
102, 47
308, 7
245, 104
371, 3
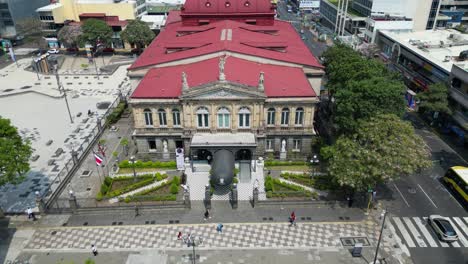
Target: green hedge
129, 188
272, 163
149, 164
113, 117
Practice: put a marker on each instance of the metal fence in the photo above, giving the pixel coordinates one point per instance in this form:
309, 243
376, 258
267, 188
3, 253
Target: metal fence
51, 194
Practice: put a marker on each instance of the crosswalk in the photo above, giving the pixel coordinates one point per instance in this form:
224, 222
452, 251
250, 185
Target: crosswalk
416, 232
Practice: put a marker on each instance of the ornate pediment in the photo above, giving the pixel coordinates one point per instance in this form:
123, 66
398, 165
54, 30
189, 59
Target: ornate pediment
223, 91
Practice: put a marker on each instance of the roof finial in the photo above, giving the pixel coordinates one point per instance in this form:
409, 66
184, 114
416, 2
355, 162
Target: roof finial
222, 61
184, 82
261, 81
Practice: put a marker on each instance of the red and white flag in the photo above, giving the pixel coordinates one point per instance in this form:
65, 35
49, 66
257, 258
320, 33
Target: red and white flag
98, 159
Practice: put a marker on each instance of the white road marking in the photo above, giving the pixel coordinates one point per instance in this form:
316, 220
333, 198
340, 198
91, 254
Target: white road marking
401, 195
415, 232
440, 241
426, 234
427, 196
466, 219
403, 231
461, 236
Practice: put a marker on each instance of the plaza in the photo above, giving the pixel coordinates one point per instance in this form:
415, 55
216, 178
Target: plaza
37, 108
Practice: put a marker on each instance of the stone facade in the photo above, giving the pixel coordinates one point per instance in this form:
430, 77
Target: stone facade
199, 110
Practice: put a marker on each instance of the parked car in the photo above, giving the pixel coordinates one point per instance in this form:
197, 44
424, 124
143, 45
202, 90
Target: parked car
53, 51
443, 228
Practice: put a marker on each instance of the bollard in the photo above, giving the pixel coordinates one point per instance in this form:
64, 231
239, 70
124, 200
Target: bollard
99, 124
234, 196
255, 196
187, 200
208, 196
74, 157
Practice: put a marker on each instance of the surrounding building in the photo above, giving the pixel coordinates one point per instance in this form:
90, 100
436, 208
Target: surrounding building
422, 13
158, 12
309, 5
226, 75
375, 23
432, 56
12, 11
55, 15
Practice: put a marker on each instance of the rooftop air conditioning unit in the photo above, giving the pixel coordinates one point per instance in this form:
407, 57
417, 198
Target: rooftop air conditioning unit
463, 55
447, 58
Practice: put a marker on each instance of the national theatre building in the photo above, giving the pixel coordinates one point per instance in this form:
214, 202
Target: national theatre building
226, 75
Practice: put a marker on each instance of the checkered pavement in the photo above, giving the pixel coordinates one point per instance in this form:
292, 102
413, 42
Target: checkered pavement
268, 235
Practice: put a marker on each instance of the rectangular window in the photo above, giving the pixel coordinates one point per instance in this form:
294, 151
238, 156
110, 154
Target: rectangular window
296, 144
299, 117
244, 120
285, 118
148, 118
269, 144
271, 118
151, 145
202, 120
176, 118
223, 120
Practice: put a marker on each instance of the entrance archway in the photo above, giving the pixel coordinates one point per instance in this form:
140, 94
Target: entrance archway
203, 154
244, 154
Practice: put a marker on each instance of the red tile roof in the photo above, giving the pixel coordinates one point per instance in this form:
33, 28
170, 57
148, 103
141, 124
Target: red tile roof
226, 6
279, 81
242, 39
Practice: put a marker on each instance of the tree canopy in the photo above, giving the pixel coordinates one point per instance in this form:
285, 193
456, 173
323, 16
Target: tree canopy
435, 99
14, 154
96, 31
383, 148
361, 88
31, 29
137, 33
70, 35
365, 98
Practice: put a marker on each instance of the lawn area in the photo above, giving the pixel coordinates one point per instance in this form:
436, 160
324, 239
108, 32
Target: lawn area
289, 168
116, 185
165, 190
276, 188
318, 182
130, 170
303, 179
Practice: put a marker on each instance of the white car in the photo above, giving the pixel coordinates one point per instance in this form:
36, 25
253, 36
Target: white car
53, 51
443, 228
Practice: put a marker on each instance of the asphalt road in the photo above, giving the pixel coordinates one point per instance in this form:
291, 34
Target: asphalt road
316, 47
423, 194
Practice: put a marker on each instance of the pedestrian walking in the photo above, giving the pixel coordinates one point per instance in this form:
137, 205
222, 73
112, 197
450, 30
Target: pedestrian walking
219, 228
94, 250
30, 213
207, 214
292, 219
179, 236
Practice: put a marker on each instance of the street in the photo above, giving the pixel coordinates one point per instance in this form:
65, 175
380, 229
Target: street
413, 198
316, 47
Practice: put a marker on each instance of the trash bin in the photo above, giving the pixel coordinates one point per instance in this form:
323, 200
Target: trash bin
357, 250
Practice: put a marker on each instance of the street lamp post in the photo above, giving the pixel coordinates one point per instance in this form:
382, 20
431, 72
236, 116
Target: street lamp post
313, 162
193, 241
132, 160
62, 89
384, 215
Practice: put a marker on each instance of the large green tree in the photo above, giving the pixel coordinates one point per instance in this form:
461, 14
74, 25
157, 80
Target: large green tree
137, 33
435, 99
365, 98
14, 154
69, 35
96, 31
383, 148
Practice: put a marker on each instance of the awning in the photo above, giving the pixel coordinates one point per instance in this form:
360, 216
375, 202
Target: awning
223, 140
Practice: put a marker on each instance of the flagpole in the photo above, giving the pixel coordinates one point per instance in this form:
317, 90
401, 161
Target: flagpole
97, 166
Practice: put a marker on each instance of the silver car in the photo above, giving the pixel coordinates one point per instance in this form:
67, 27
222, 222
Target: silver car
443, 228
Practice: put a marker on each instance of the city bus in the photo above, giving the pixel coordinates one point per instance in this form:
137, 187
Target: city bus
456, 179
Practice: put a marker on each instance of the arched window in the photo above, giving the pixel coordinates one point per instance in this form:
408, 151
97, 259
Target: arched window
299, 118
244, 117
148, 117
162, 117
285, 116
202, 117
271, 116
223, 117
176, 117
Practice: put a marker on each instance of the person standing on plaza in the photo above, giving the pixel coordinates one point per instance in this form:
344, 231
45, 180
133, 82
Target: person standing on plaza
219, 228
31, 214
292, 219
179, 236
94, 250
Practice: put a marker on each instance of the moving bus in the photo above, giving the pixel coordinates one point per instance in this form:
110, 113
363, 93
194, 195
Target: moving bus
456, 179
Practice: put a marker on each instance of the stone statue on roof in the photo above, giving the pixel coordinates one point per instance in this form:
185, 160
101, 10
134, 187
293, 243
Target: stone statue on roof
184, 82
261, 81
222, 61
